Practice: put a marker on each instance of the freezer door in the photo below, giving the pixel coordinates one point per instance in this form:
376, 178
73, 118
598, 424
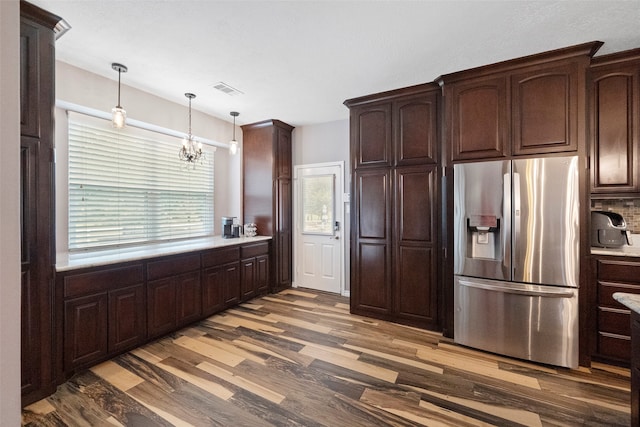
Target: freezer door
546, 221
482, 219
532, 322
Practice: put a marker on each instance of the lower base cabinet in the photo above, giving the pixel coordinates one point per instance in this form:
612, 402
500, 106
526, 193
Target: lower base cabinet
104, 311
254, 271
613, 334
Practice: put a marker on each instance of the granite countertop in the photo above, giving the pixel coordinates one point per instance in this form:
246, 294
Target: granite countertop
631, 301
625, 250
81, 260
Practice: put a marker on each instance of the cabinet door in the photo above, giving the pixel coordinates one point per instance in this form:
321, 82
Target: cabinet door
415, 290
231, 284
479, 119
85, 330
212, 290
188, 297
415, 124
371, 135
161, 306
282, 247
247, 278
283, 153
262, 274
127, 325
544, 110
615, 100
371, 236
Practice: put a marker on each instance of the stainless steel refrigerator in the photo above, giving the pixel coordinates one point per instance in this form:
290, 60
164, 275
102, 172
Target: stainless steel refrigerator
516, 263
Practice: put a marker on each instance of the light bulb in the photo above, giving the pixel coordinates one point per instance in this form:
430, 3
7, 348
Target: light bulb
233, 147
119, 117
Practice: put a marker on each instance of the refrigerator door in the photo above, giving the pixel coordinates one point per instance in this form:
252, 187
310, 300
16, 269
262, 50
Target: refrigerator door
546, 214
482, 219
532, 322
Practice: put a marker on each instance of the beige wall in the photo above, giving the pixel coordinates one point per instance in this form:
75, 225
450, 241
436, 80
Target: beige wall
9, 213
91, 90
322, 143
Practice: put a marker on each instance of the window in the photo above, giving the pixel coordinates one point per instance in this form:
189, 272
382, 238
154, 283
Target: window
127, 187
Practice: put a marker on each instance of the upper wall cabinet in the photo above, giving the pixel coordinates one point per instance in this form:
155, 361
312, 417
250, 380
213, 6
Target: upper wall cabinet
395, 128
531, 105
615, 138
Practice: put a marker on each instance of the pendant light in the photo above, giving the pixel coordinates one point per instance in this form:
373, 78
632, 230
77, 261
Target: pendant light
233, 144
190, 152
119, 115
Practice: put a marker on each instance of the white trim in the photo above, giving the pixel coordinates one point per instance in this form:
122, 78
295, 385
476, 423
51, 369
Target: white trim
69, 106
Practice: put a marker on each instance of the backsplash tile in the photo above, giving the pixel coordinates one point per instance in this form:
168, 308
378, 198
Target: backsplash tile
628, 208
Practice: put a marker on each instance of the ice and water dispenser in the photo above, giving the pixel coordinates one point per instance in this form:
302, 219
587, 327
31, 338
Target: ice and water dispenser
483, 237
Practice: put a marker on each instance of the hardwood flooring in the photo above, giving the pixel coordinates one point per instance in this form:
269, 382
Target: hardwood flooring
299, 358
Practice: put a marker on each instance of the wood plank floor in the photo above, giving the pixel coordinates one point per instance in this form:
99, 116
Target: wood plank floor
299, 358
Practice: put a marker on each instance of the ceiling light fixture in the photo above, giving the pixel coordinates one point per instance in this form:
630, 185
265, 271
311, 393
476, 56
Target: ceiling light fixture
118, 114
190, 152
233, 144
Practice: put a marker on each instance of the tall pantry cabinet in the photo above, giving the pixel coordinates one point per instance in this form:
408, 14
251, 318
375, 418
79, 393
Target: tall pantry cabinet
37, 62
267, 191
395, 197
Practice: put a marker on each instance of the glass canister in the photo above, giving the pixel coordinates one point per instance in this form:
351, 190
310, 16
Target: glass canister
250, 230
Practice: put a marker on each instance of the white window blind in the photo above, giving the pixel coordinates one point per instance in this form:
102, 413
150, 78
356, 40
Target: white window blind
127, 187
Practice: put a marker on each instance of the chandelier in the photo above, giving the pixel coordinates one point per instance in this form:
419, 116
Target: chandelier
191, 151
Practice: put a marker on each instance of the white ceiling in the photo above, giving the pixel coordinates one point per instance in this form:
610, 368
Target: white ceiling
297, 61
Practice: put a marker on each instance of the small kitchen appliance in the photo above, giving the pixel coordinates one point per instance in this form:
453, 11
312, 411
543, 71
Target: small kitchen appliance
608, 230
227, 227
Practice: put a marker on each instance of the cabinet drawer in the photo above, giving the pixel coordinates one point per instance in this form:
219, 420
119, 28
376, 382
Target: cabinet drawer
99, 281
614, 321
617, 347
220, 257
618, 271
254, 250
607, 289
173, 266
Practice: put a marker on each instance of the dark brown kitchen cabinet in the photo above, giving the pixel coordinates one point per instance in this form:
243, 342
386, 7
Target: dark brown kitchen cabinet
526, 106
395, 152
477, 110
37, 77
174, 293
254, 270
371, 281
99, 325
102, 313
267, 193
126, 324
615, 123
85, 333
395, 129
415, 248
220, 279
612, 334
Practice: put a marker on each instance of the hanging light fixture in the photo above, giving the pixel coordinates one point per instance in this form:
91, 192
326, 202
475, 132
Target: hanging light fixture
190, 152
119, 115
233, 144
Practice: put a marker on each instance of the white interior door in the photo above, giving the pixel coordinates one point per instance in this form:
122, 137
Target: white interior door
319, 224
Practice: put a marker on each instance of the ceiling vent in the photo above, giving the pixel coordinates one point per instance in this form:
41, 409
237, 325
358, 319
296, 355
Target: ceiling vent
225, 88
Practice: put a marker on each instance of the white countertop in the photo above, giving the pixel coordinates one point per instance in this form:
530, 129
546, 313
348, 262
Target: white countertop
73, 261
626, 250
631, 301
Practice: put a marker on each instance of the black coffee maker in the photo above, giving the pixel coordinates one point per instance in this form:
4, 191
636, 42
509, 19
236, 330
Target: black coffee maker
227, 227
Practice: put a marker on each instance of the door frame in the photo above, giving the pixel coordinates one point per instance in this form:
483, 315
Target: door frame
341, 212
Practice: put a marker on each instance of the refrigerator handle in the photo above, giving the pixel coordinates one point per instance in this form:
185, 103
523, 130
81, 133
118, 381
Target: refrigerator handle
506, 218
516, 216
